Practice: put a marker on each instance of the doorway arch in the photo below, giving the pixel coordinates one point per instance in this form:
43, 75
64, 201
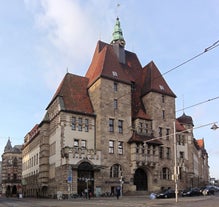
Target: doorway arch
85, 178
141, 180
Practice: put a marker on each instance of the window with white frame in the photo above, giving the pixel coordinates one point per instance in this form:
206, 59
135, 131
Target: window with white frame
111, 146
120, 148
83, 144
76, 143
79, 124
116, 171
111, 125
115, 104
165, 174
120, 126
86, 125
73, 123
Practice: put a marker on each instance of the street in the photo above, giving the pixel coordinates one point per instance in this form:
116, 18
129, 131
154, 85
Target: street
125, 201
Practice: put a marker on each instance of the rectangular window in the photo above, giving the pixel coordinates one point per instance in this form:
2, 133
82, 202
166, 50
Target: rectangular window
181, 155
73, 123
146, 129
83, 144
163, 99
160, 131
86, 125
163, 114
111, 125
111, 147
79, 124
140, 127
120, 148
161, 152
120, 126
115, 87
168, 133
168, 153
154, 150
76, 143
115, 104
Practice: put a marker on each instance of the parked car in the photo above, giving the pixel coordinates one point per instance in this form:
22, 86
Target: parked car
166, 194
191, 192
208, 190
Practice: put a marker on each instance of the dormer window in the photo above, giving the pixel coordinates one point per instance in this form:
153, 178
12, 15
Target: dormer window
161, 87
114, 74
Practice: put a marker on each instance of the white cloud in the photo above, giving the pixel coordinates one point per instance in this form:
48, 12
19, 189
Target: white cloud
70, 30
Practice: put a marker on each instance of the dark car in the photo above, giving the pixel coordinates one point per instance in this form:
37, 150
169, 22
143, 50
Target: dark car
209, 190
166, 194
191, 192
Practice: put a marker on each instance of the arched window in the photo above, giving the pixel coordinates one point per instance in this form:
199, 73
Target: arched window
165, 174
116, 171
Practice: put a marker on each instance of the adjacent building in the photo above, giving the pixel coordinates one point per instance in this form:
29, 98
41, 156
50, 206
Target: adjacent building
113, 127
11, 170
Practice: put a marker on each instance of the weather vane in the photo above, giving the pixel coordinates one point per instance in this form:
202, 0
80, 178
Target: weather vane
117, 9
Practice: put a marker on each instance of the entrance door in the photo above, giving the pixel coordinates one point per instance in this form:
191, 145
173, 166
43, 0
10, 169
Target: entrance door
85, 178
140, 180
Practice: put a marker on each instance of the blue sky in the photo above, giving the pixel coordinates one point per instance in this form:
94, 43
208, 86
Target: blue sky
42, 39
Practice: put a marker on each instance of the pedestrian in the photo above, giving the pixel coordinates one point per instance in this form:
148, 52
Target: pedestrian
118, 192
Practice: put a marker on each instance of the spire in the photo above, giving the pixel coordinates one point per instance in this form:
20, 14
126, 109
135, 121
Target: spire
117, 34
8, 146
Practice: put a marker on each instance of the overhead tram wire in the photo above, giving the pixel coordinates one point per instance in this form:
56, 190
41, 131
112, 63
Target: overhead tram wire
214, 45
212, 99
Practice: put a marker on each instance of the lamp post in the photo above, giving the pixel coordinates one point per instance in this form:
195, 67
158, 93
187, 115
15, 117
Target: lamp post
121, 185
175, 161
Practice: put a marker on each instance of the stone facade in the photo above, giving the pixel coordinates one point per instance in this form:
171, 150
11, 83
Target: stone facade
115, 127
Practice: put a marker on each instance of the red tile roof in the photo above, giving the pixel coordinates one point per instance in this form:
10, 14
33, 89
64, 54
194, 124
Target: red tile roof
153, 81
73, 91
179, 127
201, 143
105, 63
141, 138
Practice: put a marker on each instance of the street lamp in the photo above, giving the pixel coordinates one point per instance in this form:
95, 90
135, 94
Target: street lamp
214, 126
121, 185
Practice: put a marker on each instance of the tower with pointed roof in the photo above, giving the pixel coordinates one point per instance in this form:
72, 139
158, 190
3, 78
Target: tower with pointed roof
11, 169
8, 146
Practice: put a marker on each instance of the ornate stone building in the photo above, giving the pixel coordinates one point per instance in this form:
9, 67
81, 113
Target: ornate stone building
11, 170
113, 127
